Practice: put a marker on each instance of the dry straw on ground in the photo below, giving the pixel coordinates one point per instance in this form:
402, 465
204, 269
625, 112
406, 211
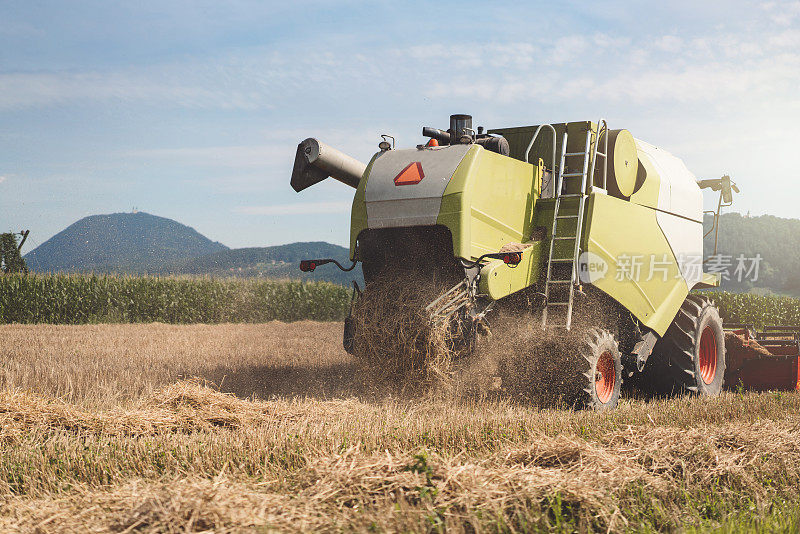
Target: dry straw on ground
148, 451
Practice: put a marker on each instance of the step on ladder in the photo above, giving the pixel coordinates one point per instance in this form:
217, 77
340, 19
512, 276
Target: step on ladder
574, 210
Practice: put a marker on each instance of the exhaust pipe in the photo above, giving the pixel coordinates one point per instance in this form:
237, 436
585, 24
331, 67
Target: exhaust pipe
460, 125
315, 161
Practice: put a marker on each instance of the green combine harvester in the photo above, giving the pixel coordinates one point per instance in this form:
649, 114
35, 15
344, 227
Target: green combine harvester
601, 234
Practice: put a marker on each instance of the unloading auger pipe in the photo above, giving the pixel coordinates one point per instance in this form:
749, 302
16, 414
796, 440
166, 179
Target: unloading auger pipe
315, 161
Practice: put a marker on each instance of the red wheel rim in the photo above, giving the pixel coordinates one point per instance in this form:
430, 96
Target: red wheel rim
605, 377
708, 355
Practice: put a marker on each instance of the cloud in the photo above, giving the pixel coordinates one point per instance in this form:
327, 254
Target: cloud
782, 13
668, 43
184, 86
308, 208
252, 79
646, 68
724, 69
277, 152
2, 179
221, 156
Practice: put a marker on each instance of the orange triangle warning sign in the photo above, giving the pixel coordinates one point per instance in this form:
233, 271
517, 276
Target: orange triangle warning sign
411, 175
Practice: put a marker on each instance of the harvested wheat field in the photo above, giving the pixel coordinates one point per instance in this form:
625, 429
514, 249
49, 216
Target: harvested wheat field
273, 427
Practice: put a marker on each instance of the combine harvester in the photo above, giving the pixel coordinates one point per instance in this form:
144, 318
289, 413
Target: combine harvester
599, 233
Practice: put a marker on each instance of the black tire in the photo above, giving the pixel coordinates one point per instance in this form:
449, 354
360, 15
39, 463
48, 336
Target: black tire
563, 370
598, 382
690, 358
601, 352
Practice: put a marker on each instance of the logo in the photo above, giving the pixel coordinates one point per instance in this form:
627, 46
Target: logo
411, 175
591, 267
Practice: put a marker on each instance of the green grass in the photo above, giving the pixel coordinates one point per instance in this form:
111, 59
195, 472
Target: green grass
78, 299
779, 516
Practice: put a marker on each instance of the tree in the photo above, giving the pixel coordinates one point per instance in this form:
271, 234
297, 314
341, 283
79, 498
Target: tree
11, 261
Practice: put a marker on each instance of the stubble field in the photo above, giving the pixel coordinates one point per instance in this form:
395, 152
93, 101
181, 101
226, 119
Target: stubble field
273, 427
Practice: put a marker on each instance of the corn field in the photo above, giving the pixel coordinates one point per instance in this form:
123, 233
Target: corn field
759, 310
82, 299
79, 299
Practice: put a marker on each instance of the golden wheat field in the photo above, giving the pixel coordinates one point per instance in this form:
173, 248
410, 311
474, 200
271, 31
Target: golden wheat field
273, 427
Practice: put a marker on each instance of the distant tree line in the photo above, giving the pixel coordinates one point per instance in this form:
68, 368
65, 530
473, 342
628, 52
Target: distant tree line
775, 239
11, 261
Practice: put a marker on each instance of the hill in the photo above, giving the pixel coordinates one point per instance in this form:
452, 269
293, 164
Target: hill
280, 261
120, 242
776, 239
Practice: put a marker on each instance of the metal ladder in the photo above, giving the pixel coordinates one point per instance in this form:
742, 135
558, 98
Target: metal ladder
589, 155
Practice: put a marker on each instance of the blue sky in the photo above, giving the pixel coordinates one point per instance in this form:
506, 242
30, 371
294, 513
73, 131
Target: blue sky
193, 110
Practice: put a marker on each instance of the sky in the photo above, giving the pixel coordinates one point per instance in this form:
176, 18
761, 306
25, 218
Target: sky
193, 110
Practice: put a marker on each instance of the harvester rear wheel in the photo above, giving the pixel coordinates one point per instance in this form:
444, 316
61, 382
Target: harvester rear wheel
690, 358
597, 382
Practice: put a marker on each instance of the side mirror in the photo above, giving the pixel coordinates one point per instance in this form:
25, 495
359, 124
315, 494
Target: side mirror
724, 185
728, 188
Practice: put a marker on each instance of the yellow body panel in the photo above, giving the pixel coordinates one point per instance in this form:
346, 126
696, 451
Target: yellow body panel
489, 202
648, 184
616, 230
498, 280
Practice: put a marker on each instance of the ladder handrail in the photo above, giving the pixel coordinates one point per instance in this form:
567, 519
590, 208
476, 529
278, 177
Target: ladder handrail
533, 139
580, 209
562, 163
600, 131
